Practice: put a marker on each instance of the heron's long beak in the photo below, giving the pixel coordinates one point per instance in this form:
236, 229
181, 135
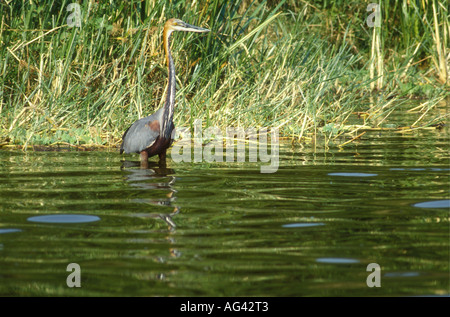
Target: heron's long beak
192, 28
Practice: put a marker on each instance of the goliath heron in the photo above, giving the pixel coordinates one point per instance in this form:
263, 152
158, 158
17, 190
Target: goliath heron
153, 134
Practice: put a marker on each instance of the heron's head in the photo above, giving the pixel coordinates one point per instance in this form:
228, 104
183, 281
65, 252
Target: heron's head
178, 25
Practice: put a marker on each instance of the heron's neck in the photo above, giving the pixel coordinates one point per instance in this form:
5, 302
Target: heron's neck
170, 98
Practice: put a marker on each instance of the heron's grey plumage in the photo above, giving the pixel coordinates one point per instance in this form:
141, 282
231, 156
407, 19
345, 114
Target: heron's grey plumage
139, 136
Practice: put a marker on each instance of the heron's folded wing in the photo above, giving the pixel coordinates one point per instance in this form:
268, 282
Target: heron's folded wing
141, 135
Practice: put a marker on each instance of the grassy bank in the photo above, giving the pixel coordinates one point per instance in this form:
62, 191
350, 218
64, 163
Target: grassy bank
305, 67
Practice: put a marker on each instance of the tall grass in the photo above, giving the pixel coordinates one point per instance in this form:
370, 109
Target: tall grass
422, 36
279, 64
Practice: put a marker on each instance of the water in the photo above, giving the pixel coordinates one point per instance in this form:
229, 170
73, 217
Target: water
225, 229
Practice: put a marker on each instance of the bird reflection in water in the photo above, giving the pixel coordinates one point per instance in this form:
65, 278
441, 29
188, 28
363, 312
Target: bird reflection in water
154, 177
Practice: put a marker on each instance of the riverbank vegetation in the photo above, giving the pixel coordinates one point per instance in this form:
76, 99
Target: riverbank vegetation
308, 68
